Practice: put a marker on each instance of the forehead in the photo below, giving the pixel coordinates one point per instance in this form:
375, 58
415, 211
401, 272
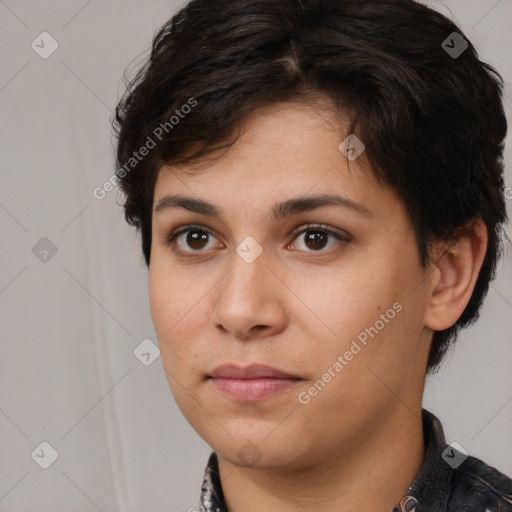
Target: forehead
283, 151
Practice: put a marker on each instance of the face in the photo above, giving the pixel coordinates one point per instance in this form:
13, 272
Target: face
316, 307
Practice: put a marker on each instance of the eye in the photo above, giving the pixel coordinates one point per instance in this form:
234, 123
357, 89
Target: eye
191, 239
315, 238
197, 239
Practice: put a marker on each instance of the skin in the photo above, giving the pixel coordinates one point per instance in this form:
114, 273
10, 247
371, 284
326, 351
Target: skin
298, 307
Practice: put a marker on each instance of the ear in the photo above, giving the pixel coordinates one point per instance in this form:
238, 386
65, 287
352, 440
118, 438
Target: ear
455, 268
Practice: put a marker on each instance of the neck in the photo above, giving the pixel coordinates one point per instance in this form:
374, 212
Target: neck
374, 475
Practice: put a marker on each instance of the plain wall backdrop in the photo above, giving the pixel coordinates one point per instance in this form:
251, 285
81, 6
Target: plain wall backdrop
73, 286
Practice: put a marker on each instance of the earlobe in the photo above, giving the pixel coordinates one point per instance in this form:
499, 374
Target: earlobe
455, 270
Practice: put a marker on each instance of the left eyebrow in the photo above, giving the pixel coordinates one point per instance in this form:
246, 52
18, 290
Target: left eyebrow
302, 204
292, 206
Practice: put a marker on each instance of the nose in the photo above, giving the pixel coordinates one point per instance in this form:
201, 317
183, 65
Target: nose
250, 300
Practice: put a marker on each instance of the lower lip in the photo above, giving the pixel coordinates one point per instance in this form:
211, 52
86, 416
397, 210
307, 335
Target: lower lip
252, 390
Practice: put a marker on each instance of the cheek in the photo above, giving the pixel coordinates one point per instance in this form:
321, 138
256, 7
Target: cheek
170, 306
171, 295
366, 312
180, 306
346, 301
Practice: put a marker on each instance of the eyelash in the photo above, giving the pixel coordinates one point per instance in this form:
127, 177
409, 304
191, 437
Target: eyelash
170, 240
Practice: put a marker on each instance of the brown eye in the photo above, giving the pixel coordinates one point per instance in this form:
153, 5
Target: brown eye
190, 239
196, 239
316, 238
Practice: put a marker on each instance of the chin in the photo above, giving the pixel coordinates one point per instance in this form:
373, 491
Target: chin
271, 452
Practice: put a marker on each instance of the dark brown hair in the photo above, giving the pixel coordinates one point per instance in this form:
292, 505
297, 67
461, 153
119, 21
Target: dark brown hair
432, 121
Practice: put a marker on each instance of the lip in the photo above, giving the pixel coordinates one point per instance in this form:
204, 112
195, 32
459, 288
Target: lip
251, 383
253, 371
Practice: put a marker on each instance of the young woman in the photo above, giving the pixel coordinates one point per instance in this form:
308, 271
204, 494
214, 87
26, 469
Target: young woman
319, 189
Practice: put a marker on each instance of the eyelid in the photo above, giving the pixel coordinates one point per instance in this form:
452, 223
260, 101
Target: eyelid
343, 235
295, 232
188, 227
169, 240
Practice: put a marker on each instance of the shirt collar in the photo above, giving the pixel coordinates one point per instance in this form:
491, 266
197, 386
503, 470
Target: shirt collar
212, 497
430, 489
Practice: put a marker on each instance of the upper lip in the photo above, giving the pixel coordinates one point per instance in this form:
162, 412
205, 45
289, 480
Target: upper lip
253, 371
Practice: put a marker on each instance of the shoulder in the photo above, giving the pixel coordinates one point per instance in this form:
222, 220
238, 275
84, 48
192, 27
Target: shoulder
450, 480
476, 486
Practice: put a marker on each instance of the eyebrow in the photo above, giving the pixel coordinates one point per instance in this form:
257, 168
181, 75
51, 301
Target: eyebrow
279, 211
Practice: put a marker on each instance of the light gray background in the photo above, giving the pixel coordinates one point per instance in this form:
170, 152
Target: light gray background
70, 325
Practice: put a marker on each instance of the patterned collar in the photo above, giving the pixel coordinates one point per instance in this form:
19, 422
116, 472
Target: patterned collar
429, 491
212, 497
